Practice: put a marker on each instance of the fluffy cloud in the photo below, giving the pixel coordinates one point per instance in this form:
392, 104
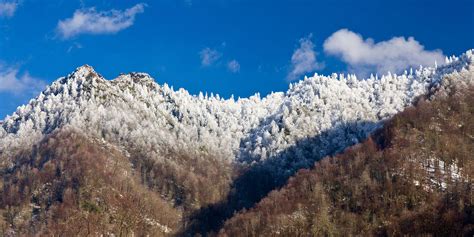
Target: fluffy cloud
12, 82
233, 66
8, 8
392, 55
90, 21
209, 56
303, 59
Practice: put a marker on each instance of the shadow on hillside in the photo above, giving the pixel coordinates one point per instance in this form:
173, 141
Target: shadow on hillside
255, 181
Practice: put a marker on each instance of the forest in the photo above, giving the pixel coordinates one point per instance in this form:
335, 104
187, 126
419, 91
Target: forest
412, 177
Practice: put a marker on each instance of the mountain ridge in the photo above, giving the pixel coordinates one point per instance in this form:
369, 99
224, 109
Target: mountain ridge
84, 85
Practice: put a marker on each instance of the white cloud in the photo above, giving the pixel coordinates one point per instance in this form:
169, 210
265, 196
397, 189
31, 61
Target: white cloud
74, 46
90, 21
12, 82
8, 8
392, 55
209, 56
303, 59
233, 66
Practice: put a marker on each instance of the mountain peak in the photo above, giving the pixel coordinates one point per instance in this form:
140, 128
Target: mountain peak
84, 69
136, 78
84, 73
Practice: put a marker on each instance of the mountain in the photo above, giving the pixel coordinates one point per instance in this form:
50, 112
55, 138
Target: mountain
203, 157
412, 177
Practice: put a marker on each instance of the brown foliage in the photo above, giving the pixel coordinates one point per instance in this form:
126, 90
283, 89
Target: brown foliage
188, 181
413, 177
71, 186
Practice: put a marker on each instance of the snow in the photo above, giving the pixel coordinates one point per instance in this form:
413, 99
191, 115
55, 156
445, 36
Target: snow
439, 172
134, 112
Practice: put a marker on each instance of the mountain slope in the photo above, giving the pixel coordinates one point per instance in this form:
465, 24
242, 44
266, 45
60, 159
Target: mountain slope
69, 185
255, 181
412, 177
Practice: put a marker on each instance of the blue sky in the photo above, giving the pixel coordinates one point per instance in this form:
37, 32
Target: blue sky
237, 47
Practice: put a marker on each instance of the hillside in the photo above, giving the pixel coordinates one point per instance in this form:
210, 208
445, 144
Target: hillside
82, 148
69, 185
412, 177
